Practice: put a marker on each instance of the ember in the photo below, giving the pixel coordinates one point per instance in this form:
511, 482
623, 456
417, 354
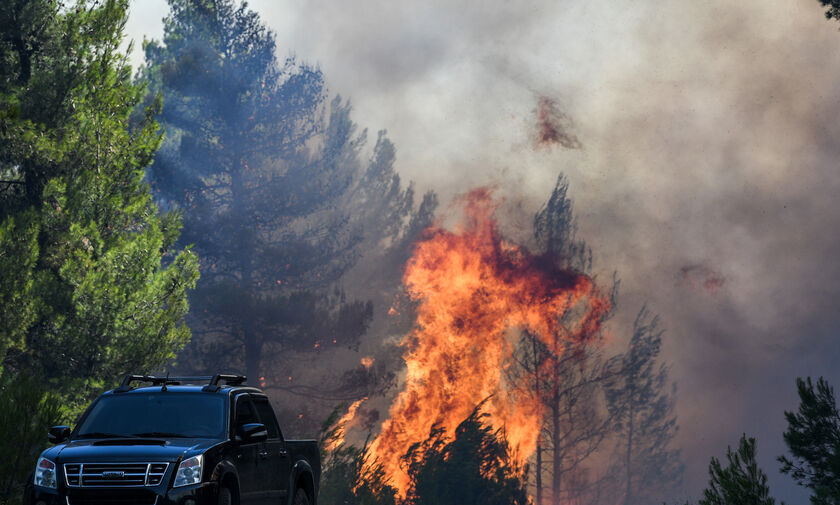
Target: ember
553, 126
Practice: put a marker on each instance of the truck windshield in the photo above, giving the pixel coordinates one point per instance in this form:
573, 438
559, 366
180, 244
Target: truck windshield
160, 414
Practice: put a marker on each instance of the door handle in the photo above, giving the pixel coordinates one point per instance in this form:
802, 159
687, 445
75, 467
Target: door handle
263, 454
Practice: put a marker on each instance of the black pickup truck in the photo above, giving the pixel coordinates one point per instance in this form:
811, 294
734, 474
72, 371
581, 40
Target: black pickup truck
184, 441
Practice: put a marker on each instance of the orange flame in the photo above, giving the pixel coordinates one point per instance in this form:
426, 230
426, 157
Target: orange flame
341, 426
471, 287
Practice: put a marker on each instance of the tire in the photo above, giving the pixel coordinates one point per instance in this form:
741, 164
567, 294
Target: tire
300, 497
225, 496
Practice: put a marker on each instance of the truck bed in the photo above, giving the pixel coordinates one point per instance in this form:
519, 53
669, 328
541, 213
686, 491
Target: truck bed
308, 451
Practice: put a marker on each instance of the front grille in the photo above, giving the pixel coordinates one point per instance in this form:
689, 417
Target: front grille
112, 497
72, 472
156, 471
114, 474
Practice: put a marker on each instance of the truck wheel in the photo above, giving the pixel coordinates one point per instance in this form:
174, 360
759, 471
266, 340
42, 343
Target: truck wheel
300, 497
225, 497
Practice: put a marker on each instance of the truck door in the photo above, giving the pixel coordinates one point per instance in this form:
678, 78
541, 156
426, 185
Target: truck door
277, 459
246, 454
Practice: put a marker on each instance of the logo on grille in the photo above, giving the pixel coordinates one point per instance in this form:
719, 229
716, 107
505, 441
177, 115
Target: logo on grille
113, 475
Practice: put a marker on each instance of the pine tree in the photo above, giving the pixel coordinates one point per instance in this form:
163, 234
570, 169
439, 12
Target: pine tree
642, 403
348, 474
742, 482
28, 411
565, 375
813, 438
474, 467
278, 200
91, 285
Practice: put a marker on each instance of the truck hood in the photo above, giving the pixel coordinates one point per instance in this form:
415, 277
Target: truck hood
128, 450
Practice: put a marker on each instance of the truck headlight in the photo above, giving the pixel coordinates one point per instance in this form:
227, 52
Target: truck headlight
189, 471
45, 474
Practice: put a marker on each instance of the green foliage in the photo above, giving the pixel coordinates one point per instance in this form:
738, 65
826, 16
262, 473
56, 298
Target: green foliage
475, 467
18, 255
741, 482
813, 438
80, 236
26, 413
348, 474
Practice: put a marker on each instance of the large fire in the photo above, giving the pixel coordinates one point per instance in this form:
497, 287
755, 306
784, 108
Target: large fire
473, 288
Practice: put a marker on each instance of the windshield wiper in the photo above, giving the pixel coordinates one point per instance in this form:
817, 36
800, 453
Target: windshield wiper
155, 434
100, 434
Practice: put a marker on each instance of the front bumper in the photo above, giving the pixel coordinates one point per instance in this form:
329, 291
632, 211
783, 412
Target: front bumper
198, 494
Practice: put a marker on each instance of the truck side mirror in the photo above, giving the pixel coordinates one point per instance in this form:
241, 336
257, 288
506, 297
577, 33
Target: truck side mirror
253, 432
58, 434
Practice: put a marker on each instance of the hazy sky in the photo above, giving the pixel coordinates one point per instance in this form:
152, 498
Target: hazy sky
707, 176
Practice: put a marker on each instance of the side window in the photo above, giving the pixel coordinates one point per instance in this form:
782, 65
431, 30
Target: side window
244, 412
267, 417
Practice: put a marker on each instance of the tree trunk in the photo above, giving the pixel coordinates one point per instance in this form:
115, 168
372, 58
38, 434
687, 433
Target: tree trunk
253, 342
537, 393
557, 456
539, 472
556, 453
628, 490
24, 57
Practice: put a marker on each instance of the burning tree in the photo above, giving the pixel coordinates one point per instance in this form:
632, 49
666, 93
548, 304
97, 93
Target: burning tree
349, 476
471, 287
497, 321
475, 465
575, 426
597, 406
277, 198
567, 373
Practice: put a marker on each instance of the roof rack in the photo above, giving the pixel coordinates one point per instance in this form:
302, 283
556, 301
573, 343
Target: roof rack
230, 380
212, 386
